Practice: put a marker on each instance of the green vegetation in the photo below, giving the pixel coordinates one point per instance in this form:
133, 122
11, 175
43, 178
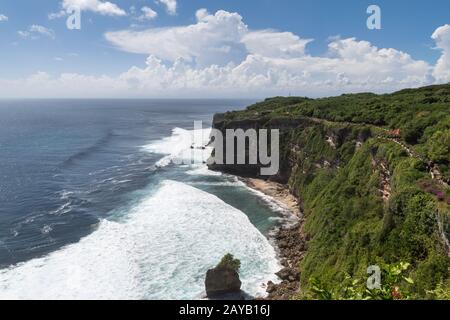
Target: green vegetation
394, 281
439, 149
442, 292
394, 286
361, 164
229, 262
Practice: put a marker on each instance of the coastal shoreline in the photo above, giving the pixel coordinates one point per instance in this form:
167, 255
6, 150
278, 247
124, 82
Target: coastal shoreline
289, 238
278, 192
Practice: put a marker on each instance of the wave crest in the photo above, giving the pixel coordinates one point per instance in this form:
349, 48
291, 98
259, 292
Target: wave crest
161, 251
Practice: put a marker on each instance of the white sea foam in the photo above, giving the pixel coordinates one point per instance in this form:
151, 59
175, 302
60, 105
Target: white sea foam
202, 170
287, 218
182, 147
162, 250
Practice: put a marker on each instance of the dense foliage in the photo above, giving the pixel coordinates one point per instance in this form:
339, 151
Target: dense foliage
229, 262
361, 167
394, 286
393, 278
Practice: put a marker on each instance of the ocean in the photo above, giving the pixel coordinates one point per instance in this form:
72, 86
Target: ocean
93, 204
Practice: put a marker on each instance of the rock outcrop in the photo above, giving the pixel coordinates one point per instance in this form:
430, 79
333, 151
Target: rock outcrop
223, 282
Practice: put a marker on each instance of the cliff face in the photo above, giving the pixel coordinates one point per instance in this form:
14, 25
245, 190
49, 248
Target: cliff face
361, 190
313, 143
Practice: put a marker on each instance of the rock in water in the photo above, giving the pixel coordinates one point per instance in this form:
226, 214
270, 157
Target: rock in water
223, 281
220, 282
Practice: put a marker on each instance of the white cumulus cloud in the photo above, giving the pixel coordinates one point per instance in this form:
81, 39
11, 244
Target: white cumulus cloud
147, 14
201, 14
442, 38
35, 31
274, 44
171, 6
3, 18
257, 75
215, 41
241, 58
97, 6
220, 56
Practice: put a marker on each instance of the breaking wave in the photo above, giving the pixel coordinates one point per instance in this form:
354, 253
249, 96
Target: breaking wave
161, 250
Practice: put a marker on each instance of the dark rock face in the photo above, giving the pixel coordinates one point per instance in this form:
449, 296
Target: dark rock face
271, 287
289, 274
284, 125
246, 170
292, 243
222, 282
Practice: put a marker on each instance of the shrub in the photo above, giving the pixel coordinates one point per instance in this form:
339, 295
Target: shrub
229, 262
439, 147
393, 287
440, 293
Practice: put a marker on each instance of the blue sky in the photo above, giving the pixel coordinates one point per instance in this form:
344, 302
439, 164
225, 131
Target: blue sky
407, 27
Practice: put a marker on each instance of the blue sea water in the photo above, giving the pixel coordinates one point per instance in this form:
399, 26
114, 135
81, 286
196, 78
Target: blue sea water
93, 207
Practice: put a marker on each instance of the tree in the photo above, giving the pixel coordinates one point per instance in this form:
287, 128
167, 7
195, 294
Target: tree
439, 150
229, 262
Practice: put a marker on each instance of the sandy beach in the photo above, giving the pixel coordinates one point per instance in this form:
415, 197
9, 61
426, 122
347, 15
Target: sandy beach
280, 193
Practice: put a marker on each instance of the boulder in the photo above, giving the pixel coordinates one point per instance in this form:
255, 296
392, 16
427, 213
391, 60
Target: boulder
222, 281
289, 274
271, 287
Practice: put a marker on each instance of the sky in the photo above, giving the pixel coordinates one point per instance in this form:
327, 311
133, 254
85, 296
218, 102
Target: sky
220, 48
